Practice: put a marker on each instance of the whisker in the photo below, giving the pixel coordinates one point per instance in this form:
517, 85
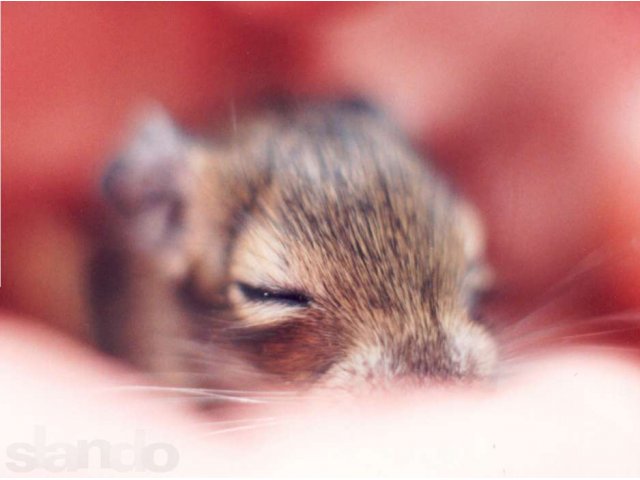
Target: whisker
237, 421
237, 396
260, 392
577, 323
510, 362
528, 319
536, 347
196, 392
630, 322
589, 262
240, 428
600, 333
617, 348
558, 290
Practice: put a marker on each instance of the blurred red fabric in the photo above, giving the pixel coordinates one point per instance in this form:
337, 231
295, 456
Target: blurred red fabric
532, 109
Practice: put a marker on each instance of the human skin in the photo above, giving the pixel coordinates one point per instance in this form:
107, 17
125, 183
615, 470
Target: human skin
566, 414
532, 110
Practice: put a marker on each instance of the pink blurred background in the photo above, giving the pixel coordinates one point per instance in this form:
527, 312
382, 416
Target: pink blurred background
532, 109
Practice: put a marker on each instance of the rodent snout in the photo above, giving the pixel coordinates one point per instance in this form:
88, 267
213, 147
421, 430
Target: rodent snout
465, 354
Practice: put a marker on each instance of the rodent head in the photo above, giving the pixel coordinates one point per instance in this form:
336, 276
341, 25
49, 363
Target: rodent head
312, 246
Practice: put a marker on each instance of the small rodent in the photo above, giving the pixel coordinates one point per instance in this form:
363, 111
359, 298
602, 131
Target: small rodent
307, 246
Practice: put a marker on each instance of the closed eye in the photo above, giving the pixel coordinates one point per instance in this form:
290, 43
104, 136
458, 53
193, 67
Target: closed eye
291, 298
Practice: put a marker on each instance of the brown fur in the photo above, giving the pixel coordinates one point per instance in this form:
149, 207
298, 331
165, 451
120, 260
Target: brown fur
326, 202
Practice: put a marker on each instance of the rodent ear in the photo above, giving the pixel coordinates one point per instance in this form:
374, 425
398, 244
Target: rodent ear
146, 182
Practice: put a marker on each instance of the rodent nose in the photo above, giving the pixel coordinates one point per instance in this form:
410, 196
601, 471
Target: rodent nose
473, 352
466, 354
